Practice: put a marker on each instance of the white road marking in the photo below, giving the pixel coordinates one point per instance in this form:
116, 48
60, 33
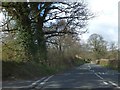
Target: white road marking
89, 67
38, 81
114, 84
43, 82
105, 83
99, 76
47, 79
96, 74
25, 86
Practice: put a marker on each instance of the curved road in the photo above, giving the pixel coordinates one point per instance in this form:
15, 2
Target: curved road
87, 76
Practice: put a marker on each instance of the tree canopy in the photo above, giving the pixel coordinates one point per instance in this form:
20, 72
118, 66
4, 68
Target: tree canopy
98, 45
37, 22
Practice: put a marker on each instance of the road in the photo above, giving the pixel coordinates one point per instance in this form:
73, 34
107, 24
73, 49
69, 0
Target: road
87, 76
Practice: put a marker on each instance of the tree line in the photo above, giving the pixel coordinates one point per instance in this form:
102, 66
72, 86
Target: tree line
36, 26
47, 33
100, 48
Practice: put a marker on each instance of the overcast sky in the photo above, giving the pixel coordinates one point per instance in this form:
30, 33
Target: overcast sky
106, 21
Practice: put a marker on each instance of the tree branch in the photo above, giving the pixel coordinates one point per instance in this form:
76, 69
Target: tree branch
6, 22
53, 35
64, 32
52, 42
8, 30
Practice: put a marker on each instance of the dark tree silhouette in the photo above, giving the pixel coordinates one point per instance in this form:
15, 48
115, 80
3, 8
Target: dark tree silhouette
34, 21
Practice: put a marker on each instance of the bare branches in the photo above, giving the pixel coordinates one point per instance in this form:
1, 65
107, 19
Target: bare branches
44, 22
6, 22
8, 30
55, 31
53, 35
51, 42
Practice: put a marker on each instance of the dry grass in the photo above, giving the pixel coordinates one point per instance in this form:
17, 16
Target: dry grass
113, 64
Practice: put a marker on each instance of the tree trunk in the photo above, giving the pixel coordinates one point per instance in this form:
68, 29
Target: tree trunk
42, 51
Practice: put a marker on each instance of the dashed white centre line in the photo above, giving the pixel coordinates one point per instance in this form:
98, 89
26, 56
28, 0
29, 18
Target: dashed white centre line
99, 76
106, 83
89, 67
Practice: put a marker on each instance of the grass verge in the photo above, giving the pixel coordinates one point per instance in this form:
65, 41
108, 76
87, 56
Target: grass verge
12, 70
111, 64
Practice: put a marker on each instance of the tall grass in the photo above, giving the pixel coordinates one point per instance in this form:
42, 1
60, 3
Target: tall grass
112, 64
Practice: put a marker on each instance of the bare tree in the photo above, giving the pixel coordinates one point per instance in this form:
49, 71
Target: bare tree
98, 46
32, 19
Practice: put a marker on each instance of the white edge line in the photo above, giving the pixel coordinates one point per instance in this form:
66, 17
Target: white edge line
104, 81
42, 83
47, 79
99, 77
34, 83
113, 83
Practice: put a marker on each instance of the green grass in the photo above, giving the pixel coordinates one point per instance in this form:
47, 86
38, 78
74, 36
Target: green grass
12, 70
20, 70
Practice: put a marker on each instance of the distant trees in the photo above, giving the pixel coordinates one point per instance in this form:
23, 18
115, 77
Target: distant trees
85, 51
113, 51
98, 46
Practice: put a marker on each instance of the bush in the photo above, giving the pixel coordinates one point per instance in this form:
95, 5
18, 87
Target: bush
104, 62
113, 64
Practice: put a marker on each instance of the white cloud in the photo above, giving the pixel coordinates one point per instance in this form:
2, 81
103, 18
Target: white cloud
106, 21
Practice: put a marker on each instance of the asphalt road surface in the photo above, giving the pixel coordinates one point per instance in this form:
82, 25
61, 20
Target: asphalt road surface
87, 77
